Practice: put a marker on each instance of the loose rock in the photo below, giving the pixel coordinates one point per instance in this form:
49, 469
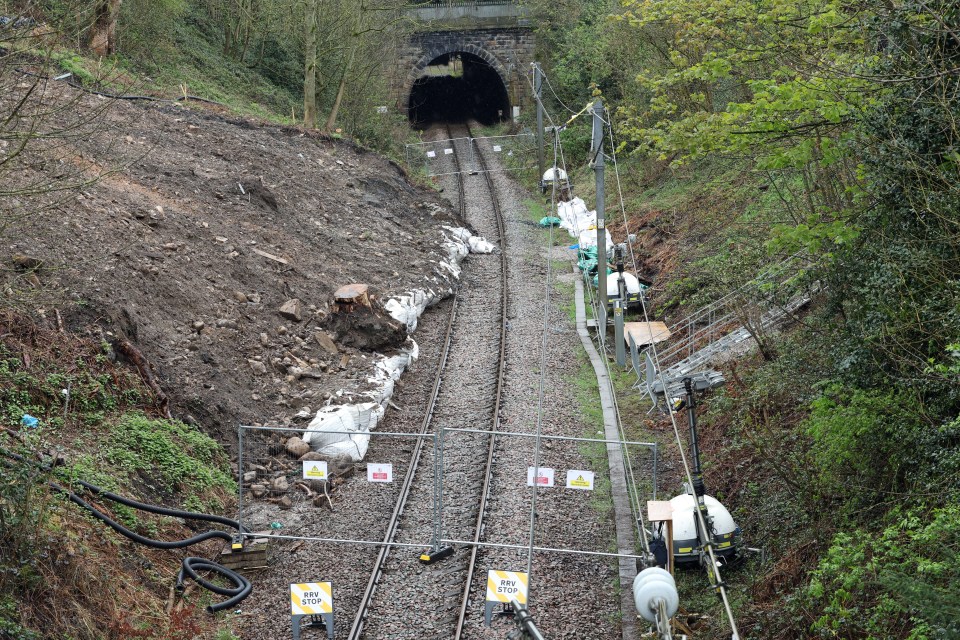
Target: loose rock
326, 343
292, 310
297, 447
279, 485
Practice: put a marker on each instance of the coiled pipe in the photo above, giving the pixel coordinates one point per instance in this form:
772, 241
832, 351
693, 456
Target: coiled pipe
191, 565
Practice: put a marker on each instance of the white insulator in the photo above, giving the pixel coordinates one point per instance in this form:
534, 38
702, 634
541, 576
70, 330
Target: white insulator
649, 587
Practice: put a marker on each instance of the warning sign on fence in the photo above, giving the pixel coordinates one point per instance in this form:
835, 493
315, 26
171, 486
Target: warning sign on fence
311, 598
579, 479
504, 586
314, 469
380, 472
544, 477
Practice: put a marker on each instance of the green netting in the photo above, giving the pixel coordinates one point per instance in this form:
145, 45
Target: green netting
596, 278
587, 260
549, 221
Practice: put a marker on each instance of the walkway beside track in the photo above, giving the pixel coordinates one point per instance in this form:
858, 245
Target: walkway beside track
622, 513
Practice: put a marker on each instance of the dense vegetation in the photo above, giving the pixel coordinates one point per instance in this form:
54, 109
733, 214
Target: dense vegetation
302, 61
760, 130
832, 128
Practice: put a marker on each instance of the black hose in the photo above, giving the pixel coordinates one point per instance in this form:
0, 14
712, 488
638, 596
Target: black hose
190, 564
238, 593
176, 513
133, 535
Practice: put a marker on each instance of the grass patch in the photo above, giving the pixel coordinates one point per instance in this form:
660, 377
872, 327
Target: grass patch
60, 569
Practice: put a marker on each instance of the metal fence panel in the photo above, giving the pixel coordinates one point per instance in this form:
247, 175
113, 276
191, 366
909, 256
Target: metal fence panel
436, 158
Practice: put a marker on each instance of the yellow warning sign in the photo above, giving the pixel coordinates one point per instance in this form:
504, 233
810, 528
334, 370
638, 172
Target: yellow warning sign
504, 586
577, 479
311, 598
315, 469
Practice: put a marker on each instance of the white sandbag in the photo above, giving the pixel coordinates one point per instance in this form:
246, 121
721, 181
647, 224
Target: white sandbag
613, 289
343, 429
409, 307
474, 244
480, 245
575, 218
588, 239
388, 370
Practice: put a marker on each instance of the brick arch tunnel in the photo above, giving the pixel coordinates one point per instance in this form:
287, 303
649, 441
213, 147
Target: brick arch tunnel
456, 86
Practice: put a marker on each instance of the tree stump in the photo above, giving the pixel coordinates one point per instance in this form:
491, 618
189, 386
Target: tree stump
349, 296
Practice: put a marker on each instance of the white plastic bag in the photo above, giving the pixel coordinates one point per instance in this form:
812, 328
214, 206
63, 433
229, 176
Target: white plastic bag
575, 218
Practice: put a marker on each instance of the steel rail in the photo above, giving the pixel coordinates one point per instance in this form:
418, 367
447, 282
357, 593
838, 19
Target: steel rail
393, 526
501, 369
394, 523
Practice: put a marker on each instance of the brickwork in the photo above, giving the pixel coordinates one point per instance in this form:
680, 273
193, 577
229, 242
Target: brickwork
509, 51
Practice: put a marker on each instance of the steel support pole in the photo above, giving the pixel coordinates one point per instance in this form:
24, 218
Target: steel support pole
620, 347
437, 497
439, 440
538, 90
240, 480
598, 165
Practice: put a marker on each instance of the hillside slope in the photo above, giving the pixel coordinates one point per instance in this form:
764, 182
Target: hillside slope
198, 231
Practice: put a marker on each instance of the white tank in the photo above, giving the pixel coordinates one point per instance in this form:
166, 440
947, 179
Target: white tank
554, 173
685, 527
613, 283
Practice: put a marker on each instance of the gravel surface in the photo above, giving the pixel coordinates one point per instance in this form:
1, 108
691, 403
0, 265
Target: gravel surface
571, 595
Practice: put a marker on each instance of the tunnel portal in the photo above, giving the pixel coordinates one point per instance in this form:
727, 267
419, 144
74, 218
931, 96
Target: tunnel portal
457, 87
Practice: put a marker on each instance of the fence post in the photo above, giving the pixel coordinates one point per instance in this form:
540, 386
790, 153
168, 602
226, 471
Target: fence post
240, 479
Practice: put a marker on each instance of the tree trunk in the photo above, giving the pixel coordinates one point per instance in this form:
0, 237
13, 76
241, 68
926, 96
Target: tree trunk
103, 33
332, 120
310, 65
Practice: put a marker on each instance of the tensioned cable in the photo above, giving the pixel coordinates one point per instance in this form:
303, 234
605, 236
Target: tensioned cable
713, 571
554, 92
540, 393
623, 207
558, 150
627, 459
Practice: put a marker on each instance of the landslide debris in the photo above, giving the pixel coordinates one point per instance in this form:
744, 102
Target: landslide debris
214, 245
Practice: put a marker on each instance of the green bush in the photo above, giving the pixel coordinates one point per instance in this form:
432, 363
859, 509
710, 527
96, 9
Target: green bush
864, 437
900, 583
10, 628
174, 456
24, 512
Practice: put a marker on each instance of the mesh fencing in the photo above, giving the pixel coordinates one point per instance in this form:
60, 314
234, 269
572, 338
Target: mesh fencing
282, 493
436, 158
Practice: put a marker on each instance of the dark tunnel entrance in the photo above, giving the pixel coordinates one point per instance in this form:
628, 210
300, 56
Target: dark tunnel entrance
457, 87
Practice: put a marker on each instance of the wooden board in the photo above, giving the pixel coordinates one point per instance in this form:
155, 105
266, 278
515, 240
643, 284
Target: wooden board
659, 510
645, 333
662, 511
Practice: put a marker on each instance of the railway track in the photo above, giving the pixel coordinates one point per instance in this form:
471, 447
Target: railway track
467, 391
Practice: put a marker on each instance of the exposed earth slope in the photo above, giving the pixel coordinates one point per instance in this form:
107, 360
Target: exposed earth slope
202, 228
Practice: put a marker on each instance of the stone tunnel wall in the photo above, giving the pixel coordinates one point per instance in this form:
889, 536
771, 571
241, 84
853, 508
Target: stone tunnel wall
508, 50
